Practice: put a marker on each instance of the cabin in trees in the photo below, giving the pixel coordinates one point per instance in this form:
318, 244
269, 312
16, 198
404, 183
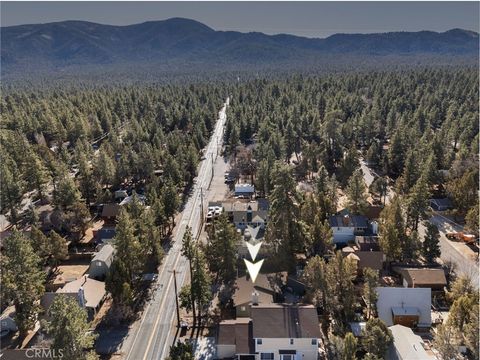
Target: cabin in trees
101, 262
346, 227
276, 331
110, 212
365, 253
423, 278
364, 259
89, 293
405, 306
406, 345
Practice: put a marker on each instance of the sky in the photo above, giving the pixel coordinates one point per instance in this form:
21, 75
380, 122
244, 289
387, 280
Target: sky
311, 19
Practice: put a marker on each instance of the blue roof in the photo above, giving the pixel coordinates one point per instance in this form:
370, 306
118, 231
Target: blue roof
106, 233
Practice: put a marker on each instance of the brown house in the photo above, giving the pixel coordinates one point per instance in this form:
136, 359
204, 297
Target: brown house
110, 211
423, 278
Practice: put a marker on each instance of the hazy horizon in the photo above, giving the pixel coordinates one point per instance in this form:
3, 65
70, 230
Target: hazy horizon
310, 19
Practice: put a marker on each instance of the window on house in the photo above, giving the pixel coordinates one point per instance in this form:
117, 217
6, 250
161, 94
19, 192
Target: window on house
287, 357
266, 356
291, 341
314, 341
242, 308
259, 341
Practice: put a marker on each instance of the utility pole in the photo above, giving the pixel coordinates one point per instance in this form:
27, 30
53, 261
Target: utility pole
176, 295
201, 202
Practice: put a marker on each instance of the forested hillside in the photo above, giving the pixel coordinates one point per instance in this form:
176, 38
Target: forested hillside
70, 48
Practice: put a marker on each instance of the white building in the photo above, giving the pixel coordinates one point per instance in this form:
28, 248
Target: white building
274, 332
398, 305
346, 227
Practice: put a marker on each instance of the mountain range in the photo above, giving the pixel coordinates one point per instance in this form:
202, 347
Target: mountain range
178, 40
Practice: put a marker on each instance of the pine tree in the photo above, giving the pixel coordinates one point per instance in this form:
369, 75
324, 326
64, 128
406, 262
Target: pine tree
104, 168
350, 347
395, 155
322, 236
314, 276
392, 230
472, 219
417, 204
58, 248
37, 175
12, 186
181, 351
221, 249
66, 193
79, 219
127, 262
69, 329
170, 202
22, 280
446, 342
376, 338
128, 248
374, 153
370, 289
379, 187
431, 244
410, 173
200, 282
40, 244
357, 198
284, 229
340, 275
349, 165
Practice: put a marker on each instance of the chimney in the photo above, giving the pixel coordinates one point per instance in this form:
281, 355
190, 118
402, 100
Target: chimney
255, 300
81, 297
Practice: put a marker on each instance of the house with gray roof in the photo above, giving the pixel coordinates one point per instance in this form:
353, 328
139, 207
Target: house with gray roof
274, 331
407, 345
89, 293
101, 262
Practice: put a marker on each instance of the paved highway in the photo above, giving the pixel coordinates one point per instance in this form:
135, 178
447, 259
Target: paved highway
151, 337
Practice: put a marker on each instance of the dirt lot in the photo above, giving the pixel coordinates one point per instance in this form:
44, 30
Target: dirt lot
218, 189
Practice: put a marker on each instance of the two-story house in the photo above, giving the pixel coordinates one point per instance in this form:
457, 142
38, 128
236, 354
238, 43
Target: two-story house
247, 213
273, 332
346, 227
